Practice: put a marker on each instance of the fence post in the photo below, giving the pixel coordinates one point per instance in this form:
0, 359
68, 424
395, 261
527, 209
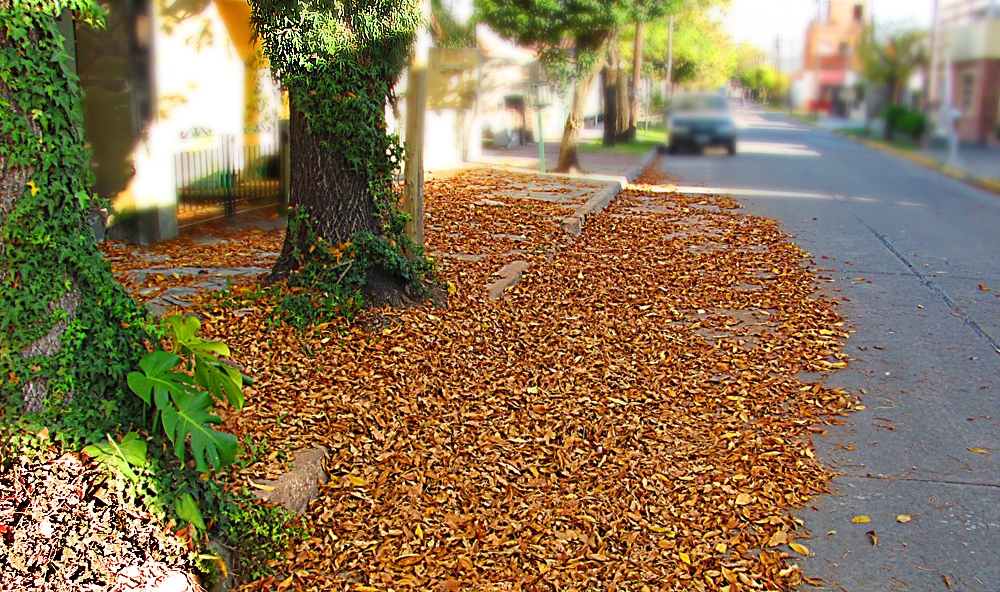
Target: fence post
228, 174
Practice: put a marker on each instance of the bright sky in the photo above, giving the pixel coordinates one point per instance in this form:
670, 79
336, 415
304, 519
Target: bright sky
760, 21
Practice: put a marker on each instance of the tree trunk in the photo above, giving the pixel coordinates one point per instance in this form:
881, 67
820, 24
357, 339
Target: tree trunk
70, 333
609, 82
636, 80
623, 114
889, 129
329, 200
569, 155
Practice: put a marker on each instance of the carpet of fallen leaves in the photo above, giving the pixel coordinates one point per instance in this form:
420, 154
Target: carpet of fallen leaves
64, 527
629, 417
208, 246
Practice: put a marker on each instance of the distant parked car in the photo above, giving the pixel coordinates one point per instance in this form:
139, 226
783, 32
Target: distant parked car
700, 120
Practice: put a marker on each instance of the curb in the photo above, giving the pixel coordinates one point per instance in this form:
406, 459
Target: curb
574, 223
990, 185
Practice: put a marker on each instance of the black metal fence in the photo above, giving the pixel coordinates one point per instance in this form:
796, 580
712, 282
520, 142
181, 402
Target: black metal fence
227, 179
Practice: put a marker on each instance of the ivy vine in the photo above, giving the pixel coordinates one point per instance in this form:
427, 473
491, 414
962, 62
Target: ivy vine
340, 62
69, 334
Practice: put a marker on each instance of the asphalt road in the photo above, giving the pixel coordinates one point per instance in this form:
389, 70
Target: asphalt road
908, 250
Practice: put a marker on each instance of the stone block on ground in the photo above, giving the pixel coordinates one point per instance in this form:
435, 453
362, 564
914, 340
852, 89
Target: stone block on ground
296, 488
510, 275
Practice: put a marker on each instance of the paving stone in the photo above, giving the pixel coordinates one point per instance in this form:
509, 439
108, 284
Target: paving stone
181, 291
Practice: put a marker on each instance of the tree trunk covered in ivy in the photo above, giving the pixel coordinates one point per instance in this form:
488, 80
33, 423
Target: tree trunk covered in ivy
340, 62
325, 188
68, 332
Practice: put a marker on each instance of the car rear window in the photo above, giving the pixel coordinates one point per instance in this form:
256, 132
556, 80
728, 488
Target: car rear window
701, 103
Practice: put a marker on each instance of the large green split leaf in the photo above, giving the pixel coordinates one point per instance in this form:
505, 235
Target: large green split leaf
189, 416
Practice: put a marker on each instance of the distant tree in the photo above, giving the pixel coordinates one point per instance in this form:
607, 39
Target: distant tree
703, 52
572, 36
890, 57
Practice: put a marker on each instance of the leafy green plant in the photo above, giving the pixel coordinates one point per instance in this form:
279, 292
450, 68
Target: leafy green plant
130, 452
258, 534
183, 401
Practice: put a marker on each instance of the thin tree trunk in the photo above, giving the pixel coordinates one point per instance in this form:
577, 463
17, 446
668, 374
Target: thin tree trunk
328, 199
636, 80
569, 155
622, 115
609, 82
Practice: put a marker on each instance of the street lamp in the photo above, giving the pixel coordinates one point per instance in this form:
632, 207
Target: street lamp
539, 96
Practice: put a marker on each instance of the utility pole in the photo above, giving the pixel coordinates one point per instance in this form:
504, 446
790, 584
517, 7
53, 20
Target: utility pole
416, 108
930, 81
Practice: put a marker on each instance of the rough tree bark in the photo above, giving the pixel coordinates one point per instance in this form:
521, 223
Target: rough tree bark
623, 112
323, 187
65, 324
569, 154
609, 83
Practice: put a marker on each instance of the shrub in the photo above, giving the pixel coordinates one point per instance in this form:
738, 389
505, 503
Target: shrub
913, 123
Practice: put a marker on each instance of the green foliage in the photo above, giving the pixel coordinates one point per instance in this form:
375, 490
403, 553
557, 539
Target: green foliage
66, 327
912, 123
258, 533
340, 63
892, 55
183, 402
703, 53
130, 452
447, 30
330, 280
570, 35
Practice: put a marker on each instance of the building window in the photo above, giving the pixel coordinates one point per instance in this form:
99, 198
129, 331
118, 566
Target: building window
968, 90
859, 13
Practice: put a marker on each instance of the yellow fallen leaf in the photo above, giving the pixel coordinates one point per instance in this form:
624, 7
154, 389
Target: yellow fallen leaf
721, 548
657, 528
356, 480
685, 558
261, 487
979, 450
285, 584
904, 518
800, 549
742, 499
861, 519
176, 275
778, 538
420, 532
831, 533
